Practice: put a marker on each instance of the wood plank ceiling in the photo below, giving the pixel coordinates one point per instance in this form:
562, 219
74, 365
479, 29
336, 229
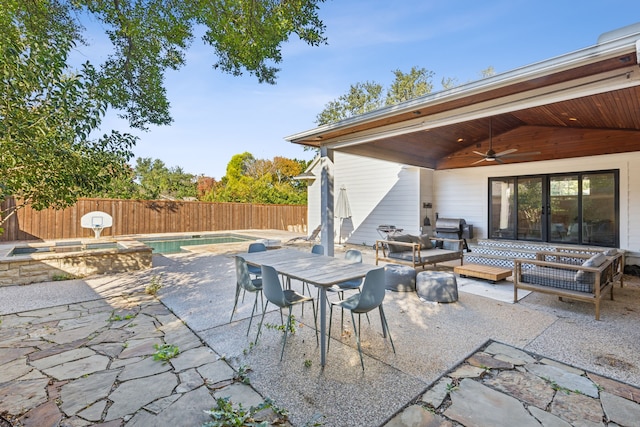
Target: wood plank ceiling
603, 123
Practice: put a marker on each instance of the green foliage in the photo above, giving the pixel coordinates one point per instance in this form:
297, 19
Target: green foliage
62, 276
165, 352
364, 97
408, 86
251, 180
243, 374
117, 318
290, 325
155, 179
49, 109
225, 415
48, 112
361, 98
155, 285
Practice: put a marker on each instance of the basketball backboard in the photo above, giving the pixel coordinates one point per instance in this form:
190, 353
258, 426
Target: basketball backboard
96, 221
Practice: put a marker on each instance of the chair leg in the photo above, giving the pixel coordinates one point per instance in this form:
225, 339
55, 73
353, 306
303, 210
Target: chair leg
356, 330
385, 327
330, 318
235, 303
286, 330
315, 317
264, 310
253, 310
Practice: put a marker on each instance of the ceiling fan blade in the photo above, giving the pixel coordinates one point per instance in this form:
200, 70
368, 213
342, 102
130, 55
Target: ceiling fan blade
479, 153
479, 161
529, 153
505, 152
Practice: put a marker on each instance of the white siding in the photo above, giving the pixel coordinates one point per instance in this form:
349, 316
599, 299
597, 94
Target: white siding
463, 193
388, 193
379, 192
313, 200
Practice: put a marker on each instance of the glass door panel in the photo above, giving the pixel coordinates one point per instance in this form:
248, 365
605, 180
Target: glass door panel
563, 206
530, 202
502, 209
579, 208
599, 209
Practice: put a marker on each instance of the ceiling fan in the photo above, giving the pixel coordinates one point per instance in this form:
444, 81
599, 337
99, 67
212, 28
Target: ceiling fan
492, 156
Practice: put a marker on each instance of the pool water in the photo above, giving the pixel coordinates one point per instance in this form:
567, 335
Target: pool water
172, 245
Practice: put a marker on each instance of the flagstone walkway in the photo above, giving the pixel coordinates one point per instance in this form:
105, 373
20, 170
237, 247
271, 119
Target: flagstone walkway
92, 364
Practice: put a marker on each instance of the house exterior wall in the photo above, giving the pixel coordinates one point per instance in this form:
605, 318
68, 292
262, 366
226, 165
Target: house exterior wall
463, 193
389, 193
379, 192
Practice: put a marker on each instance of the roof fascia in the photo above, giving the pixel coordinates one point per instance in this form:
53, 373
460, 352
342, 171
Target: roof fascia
629, 43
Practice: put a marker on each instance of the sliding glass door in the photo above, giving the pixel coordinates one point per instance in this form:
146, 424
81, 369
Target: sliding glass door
578, 208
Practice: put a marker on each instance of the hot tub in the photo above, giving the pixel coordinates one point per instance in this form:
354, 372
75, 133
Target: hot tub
24, 263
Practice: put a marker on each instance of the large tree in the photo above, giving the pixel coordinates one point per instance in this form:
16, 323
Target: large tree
251, 180
50, 108
364, 97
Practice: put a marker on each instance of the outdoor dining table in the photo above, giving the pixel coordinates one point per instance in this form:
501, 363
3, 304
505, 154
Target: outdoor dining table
319, 270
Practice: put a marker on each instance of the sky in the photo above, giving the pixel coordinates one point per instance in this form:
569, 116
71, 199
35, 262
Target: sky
217, 116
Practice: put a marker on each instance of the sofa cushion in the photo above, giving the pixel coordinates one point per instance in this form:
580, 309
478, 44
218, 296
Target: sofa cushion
425, 242
611, 252
405, 238
555, 278
595, 261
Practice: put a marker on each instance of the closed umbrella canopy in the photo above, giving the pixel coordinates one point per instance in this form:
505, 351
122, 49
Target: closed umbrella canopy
342, 209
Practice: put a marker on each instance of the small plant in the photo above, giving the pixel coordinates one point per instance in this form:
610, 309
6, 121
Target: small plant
307, 363
291, 324
557, 387
155, 285
165, 352
247, 350
451, 387
63, 276
242, 374
225, 415
116, 317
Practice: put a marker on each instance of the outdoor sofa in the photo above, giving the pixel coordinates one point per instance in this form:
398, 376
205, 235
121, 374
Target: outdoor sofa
418, 251
577, 276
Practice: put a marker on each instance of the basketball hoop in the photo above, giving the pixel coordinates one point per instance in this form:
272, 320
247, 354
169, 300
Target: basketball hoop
97, 221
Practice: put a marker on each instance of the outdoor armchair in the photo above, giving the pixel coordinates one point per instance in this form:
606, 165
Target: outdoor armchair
355, 256
246, 283
282, 298
369, 298
256, 247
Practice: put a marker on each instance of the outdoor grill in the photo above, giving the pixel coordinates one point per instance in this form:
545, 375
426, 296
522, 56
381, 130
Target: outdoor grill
385, 229
454, 228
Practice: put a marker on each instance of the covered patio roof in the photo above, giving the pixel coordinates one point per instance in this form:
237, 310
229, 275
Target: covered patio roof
584, 103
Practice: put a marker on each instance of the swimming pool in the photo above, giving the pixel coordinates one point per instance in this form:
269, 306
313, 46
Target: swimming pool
172, 245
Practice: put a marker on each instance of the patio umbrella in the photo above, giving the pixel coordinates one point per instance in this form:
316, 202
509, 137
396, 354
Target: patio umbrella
342, 209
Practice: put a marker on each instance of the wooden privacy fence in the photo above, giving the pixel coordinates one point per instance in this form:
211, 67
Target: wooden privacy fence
151, 216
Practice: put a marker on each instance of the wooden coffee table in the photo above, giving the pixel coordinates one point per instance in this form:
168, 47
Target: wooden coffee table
487, 272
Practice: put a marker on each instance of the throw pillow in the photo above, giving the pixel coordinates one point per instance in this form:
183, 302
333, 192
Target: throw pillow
405, 238
611, 252
586, 277
425, 242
